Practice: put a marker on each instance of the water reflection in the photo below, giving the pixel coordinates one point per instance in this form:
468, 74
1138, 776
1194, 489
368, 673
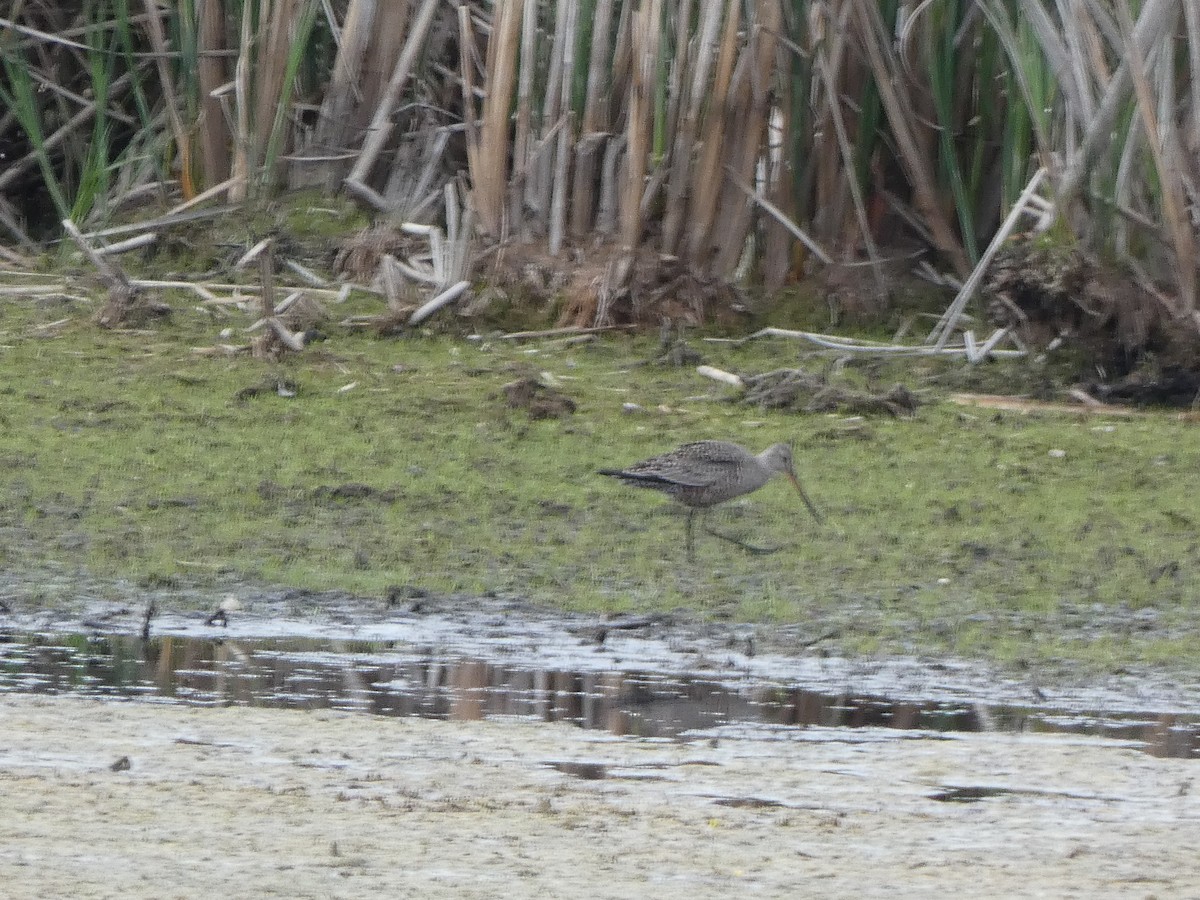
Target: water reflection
387, 678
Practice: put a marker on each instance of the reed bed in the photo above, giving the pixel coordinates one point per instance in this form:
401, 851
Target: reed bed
753, 141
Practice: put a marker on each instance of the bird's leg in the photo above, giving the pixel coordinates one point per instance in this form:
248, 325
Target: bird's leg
691, 542
749, 548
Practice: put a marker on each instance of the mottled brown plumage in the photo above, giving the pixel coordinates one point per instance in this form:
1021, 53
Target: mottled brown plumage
704, 473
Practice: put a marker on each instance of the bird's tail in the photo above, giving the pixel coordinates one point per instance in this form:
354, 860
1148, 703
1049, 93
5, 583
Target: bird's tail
639, 479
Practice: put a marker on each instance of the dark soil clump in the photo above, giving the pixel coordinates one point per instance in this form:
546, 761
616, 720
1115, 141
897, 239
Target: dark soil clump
537, 399
1141, 348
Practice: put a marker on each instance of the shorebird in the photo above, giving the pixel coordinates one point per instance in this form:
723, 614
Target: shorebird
704, 473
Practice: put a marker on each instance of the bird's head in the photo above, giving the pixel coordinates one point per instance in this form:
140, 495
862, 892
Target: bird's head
778, 459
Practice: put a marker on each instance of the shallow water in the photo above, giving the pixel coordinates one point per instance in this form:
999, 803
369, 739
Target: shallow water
398, 678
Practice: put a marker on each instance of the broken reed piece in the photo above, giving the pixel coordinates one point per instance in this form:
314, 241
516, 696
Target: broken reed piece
557, 332
720, 375
445, 298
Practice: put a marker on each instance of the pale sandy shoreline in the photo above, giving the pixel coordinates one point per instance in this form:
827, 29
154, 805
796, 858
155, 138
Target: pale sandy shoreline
238, 802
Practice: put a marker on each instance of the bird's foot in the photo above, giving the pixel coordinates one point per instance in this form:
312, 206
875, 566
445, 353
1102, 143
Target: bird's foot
749, 548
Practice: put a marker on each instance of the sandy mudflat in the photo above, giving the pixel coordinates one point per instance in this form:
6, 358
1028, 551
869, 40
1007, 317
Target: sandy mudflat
237, 802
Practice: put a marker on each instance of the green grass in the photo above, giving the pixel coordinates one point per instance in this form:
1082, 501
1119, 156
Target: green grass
129, 456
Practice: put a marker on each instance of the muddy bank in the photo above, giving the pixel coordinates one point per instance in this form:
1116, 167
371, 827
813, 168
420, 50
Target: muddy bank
512, 631
108, 798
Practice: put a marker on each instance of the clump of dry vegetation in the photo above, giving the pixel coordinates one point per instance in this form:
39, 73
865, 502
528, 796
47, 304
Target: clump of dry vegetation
1051, 294
802, 391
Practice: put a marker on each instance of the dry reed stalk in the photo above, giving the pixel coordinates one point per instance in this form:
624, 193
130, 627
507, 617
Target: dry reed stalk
416, 199
158, 41
267, 279
706, 182
1162, 138
824, 72
11, 219
597, 103
348, 80
125, 305
594, 128
616, 110
242, 165
466, 62
372, 39
523, 143
749, 109
691, 106
1078, 45
912, 84
622, 64
566, 137
1030, 202
460, 229
380, 128
345, 80
490, 173
776, 257
1156, 19
12, 258
537, 192
387, 41
588, 158
646, 30
1191, 21
214, 130
827, 41
677, 77
911, 157
270, 74
609, 201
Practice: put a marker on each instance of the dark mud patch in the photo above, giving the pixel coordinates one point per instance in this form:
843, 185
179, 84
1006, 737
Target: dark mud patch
353, 491
265, 387
540, 401
1167, 386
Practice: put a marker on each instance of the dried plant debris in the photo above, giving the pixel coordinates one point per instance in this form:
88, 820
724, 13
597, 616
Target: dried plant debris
303, 314
130, 308
1046, 291
796, 389
647, 288
607, 286
361, 255
539, 400
127, 306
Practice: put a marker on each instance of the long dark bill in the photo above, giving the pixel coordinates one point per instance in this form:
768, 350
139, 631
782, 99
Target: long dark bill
803, 496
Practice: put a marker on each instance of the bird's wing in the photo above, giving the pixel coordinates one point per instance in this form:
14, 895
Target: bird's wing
698, 464
714, 451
